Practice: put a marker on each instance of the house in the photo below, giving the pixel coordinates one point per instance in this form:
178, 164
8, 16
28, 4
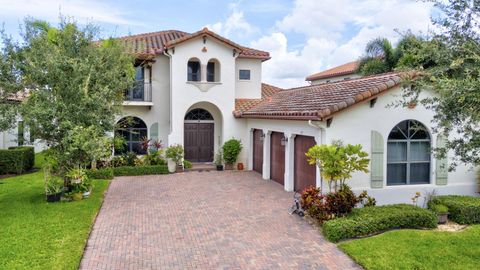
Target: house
201, 89
345, 71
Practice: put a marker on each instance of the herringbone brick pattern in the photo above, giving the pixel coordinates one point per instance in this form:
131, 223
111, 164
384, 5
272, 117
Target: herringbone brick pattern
204, 220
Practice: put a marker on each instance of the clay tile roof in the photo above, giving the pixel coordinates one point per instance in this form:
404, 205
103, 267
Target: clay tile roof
345, 69
145, 46
244, 104
318, 102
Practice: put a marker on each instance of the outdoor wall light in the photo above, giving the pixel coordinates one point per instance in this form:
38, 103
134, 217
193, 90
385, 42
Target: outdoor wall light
284, 140
262, 137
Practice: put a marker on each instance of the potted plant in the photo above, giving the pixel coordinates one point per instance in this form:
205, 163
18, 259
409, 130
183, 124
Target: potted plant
53, 188
219, 160
231, 150
80, 184
174, 155
442, 213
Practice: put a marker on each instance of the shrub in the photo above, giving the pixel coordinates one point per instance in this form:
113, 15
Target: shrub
462, 209
313, 203
103, 173
118, 161
439, 209
372, 220
130, 158
187, 164
141, 170
17, 160
154, 158
231, 149
366, 200
341, 202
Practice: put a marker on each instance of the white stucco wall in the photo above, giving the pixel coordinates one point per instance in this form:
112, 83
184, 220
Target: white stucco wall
248, 88
336, 78
160, 111
186, 95
354, 126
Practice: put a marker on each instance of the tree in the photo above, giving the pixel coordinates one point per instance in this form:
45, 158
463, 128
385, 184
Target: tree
337, 162
8, 84
75, 87
450, 64
380, 56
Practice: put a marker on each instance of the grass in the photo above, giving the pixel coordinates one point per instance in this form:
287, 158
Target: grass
35, 234
417, 249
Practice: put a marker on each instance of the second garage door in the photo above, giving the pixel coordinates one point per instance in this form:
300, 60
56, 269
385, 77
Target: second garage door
305, 174
277, 158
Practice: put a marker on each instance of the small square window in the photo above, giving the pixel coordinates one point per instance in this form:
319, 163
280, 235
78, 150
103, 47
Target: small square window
244, 74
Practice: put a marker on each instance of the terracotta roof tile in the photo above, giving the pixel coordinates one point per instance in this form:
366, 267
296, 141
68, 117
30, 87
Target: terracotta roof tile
147, 45
345, 69
244, 104
318, 102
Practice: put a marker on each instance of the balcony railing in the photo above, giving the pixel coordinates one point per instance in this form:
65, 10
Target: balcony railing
140, 92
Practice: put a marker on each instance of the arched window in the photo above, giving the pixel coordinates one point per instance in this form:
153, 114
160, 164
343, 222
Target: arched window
213, 70
132, 130
198, 115
193, 70
408, 154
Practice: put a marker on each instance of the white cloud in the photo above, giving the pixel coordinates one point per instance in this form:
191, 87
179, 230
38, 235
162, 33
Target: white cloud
82, 10
336, 32
234, 25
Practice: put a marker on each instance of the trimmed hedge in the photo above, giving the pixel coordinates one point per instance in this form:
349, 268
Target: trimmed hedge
17, 159
103, 173
461, 209
373, 220
140, 170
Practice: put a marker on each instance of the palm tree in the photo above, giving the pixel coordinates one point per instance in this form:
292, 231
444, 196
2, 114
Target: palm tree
381, 57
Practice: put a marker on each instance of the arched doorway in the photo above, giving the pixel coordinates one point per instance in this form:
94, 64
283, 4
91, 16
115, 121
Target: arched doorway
199, 129
133, 130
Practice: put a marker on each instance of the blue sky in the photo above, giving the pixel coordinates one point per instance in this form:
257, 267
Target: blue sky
303, 36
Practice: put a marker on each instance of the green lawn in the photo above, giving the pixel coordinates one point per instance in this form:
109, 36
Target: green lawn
416, 249
35, 234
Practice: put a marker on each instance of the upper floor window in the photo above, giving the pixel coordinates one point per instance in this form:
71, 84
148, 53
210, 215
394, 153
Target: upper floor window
244, 74
213, 70
193, 69
408, 154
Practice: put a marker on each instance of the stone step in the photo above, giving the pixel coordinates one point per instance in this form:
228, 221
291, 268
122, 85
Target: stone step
200, 166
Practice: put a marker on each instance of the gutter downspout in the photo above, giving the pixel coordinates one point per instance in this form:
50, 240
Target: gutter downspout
165, 52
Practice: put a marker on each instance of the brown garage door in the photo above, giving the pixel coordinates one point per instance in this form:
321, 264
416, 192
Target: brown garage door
305, 173
277, 158
257, 151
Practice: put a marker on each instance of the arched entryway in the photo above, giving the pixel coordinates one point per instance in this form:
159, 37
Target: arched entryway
199, 135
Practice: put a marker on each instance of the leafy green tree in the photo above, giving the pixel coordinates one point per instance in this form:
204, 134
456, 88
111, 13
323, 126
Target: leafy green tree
337, 162
76, 86
450, 64
8, 83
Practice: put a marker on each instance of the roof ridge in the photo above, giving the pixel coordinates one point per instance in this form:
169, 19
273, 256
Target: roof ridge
349, 80
153, 33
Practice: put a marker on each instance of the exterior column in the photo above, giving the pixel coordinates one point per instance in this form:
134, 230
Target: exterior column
289, 162
266, 154
250, 150
318, 177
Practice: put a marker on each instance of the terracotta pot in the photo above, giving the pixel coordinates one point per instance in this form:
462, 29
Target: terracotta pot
240, 166
228, 166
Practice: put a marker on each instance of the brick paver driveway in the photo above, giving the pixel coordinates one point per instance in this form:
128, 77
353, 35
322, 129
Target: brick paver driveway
204, 220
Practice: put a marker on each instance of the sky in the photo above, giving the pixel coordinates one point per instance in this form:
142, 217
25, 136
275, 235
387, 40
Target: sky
302, 36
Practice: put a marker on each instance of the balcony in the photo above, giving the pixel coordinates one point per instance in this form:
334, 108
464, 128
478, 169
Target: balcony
139, 95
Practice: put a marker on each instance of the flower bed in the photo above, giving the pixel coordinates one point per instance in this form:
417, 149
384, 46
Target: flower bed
372, 220
461, 209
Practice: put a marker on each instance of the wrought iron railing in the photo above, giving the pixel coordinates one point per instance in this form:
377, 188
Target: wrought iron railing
141, 91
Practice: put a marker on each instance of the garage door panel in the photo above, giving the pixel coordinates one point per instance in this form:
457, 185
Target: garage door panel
304, 173
277, 158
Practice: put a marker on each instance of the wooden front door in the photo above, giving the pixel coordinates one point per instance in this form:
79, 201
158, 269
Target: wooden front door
258, 150
277, 158
199, 142
305, 174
